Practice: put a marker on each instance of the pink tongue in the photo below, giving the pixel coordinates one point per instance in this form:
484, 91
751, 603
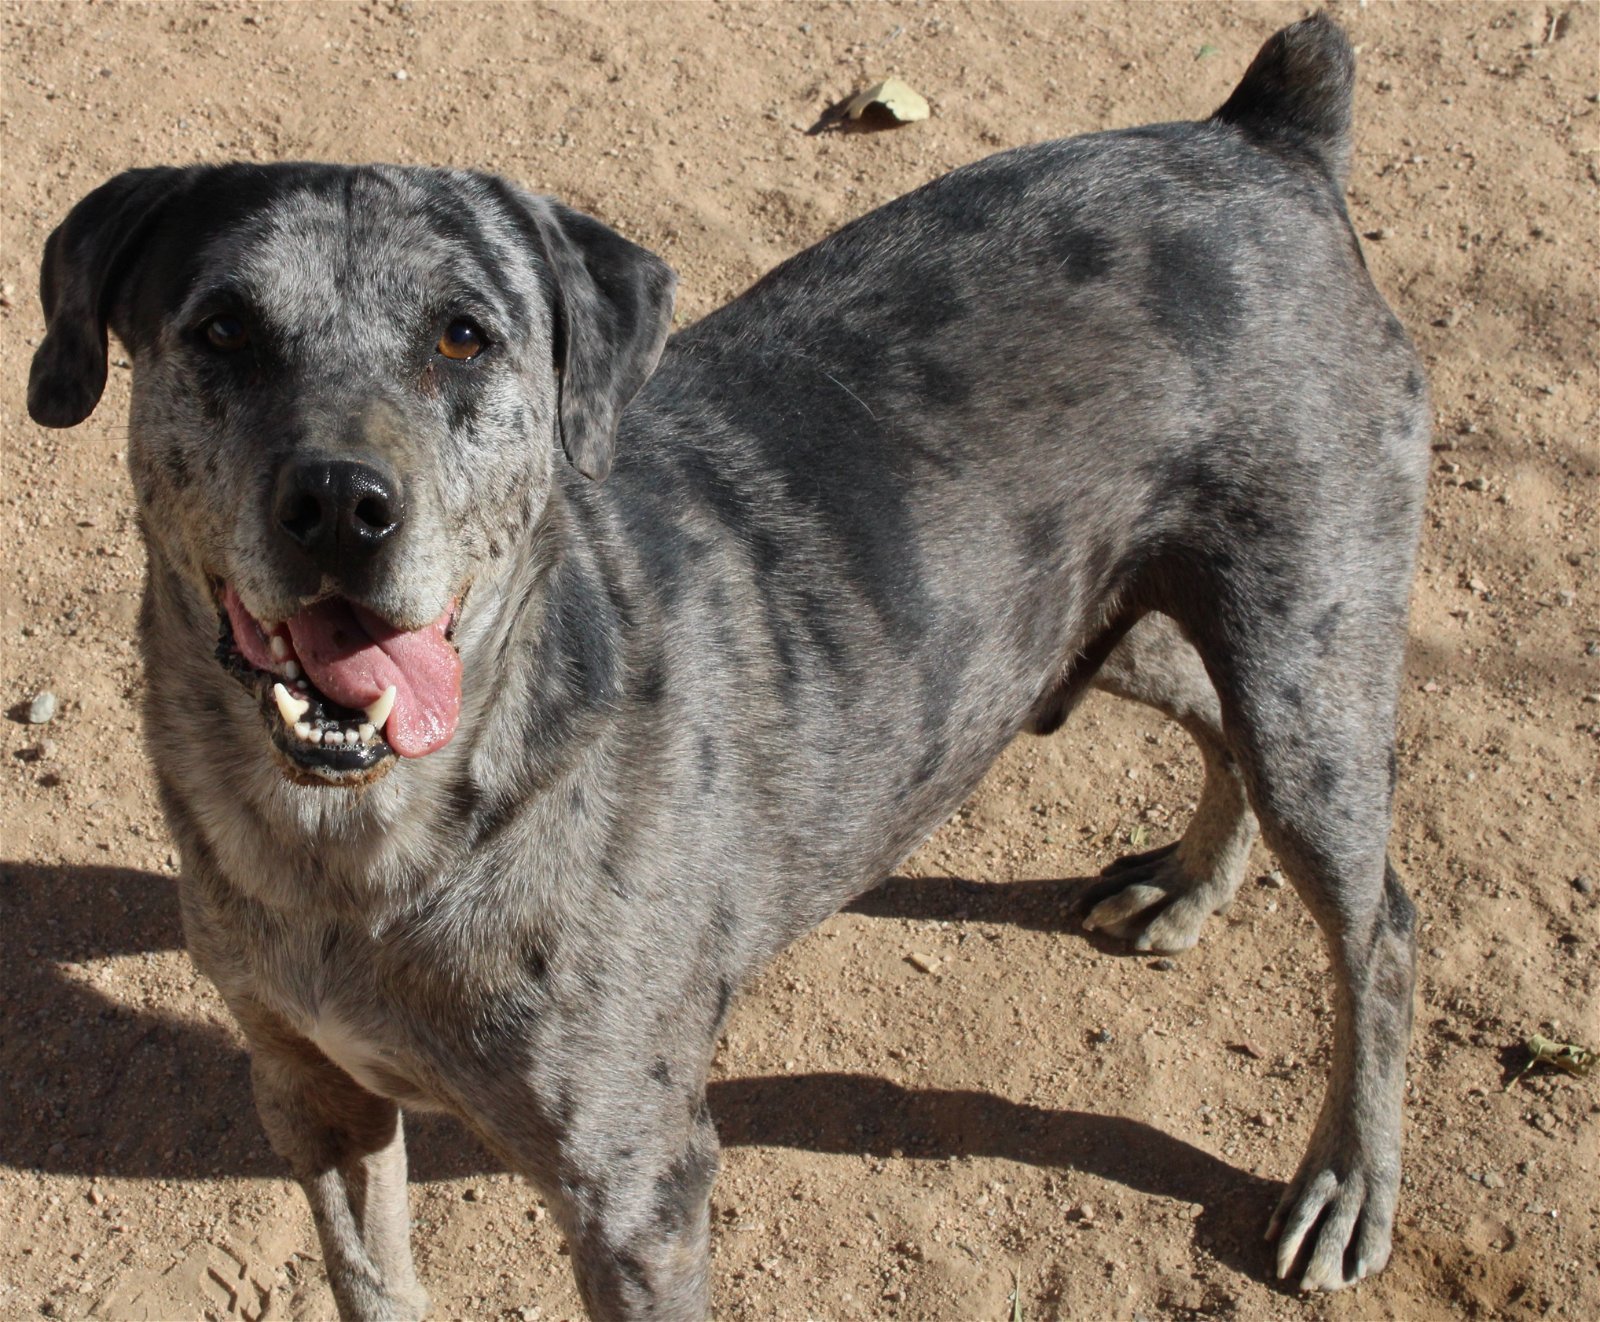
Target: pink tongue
353, 656
247, 635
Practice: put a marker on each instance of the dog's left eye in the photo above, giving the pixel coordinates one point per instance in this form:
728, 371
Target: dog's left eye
226, 333
461, 340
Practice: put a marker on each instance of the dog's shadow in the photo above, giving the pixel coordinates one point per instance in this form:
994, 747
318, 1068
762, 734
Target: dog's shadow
94, 1081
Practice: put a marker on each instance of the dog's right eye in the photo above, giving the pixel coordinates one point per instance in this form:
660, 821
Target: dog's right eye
226, 333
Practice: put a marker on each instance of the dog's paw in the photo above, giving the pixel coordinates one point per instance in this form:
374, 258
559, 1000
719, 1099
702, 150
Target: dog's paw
1333, 1229
1149, 901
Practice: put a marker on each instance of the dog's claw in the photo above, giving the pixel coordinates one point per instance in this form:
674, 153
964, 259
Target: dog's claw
1327, 1221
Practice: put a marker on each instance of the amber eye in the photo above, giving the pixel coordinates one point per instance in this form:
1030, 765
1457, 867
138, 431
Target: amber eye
461, 340
226, 333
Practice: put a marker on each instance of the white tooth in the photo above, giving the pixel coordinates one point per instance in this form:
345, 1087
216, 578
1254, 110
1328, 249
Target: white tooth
315, 736
333, 737
378, 713
291, 670
366, 731
289, 707
302, 729
280, 648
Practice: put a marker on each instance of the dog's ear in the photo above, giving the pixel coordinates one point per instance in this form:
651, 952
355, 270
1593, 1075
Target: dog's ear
83, 261
613, 310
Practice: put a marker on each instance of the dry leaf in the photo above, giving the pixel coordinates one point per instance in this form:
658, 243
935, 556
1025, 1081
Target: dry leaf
898, 99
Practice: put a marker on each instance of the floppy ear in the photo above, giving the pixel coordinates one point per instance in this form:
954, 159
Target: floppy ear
613, 309
83, 260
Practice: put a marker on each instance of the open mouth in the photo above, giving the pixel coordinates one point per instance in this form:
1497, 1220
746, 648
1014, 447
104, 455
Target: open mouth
342, 691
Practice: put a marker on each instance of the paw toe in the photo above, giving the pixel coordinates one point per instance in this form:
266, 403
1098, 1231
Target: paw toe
1116, 912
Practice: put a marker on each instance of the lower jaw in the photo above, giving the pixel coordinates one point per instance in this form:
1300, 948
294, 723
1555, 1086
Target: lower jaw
330, 768
324, 763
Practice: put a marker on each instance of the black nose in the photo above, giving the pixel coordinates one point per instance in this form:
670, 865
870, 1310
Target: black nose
338, 512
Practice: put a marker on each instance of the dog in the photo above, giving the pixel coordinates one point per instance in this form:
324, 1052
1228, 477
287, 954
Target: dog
519, 679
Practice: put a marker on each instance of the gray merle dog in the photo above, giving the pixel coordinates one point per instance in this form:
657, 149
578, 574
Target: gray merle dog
509, 768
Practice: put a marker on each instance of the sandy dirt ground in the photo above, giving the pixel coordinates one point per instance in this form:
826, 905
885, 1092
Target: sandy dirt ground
947, 1094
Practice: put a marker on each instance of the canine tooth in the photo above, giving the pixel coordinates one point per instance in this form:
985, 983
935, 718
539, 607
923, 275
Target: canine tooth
280, 648
366, 730
290, 707
291, 670
378, 713
302, 729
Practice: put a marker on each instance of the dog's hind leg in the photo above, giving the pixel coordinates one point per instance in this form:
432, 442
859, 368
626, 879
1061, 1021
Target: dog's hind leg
346, 1146
1305, 639
1160, 900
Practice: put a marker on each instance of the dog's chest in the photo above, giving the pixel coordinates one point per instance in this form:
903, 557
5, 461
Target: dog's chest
329, 997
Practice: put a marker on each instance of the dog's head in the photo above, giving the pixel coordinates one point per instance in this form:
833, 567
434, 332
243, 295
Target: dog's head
350, 386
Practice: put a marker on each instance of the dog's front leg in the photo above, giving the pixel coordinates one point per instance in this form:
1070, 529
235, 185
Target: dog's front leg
346, 1146
628, 1174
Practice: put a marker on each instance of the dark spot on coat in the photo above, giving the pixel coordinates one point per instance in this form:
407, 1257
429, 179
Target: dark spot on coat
1326, 625
1192, 292
633, 1271
1082, 254
651, 684
724, 1000
939, 381
533, 960
661, 1072
707, 757
177, 467
681, 1190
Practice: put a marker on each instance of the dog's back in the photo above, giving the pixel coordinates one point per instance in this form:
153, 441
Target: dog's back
939, 455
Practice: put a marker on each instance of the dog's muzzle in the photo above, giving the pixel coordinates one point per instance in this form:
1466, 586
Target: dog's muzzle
341, 689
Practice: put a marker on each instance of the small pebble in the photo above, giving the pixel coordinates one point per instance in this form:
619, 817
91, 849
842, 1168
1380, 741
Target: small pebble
400, 75
1477, 484
1101, 1036
472, 1195
1565, 598
1493, 1180
1379, 235
1583, 884
42, 709
1163, 965
1273, 880
922, 963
